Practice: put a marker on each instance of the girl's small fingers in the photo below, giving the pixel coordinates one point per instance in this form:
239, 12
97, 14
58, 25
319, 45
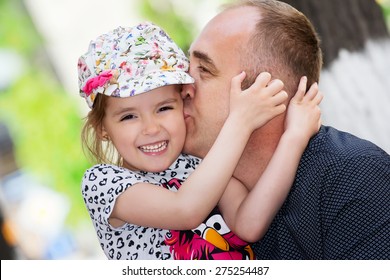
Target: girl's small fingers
236, 82
274, 87
280, 97
281, 108
312, 92
318, 97
262, 80
301, 89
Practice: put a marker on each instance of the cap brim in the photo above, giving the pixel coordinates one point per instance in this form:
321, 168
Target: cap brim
132, 87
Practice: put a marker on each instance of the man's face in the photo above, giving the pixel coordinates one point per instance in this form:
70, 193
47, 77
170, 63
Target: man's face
214, 61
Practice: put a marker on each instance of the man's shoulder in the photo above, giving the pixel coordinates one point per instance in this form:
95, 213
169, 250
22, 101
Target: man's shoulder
332, 142
333, 153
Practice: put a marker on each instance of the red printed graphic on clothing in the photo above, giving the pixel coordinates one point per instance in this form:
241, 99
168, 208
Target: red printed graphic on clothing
211, 240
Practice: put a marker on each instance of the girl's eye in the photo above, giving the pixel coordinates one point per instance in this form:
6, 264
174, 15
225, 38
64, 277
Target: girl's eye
127, 117
165, 108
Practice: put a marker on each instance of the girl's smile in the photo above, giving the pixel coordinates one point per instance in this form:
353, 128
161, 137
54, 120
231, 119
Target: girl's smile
155, 149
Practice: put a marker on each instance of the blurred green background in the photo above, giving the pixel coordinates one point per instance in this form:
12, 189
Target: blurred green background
43, 119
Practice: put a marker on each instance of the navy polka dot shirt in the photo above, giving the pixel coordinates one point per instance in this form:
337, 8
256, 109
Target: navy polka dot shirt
339, 205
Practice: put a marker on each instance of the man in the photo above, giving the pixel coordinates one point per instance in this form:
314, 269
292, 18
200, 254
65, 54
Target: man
339, 205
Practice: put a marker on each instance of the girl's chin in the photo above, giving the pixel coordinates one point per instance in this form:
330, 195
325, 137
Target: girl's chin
153, 167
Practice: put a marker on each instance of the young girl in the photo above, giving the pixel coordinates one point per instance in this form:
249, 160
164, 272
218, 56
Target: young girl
145, 206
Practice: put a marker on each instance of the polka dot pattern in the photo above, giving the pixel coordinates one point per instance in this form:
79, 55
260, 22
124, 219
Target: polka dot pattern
339, 205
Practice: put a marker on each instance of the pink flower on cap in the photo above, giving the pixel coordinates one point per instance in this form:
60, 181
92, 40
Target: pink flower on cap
96, 82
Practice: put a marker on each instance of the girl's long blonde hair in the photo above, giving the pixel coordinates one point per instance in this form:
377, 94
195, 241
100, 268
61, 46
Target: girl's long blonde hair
95, 147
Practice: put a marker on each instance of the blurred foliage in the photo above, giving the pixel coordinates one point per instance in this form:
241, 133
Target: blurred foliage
42, 118
386, 10
162, 12
16, 29
46, 127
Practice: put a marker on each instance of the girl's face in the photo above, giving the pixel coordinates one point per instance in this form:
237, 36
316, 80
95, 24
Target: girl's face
148, 130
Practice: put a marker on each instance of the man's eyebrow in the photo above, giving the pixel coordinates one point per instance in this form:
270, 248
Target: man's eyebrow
204, 58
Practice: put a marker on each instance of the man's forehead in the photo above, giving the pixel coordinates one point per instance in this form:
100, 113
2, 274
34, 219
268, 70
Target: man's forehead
228, 27
233, 21
202, 48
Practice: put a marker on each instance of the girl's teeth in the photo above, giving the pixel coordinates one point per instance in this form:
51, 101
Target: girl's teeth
154, 148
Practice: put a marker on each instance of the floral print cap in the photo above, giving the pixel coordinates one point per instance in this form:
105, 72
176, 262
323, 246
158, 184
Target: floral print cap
130, 61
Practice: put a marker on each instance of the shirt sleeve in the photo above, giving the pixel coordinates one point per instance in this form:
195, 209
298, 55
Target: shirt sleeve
101, 186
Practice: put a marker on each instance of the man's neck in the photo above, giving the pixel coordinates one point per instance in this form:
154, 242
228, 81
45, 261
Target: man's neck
256, 157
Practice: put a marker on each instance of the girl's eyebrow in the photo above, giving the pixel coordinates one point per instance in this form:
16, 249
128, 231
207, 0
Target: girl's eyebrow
170, 100
122, 110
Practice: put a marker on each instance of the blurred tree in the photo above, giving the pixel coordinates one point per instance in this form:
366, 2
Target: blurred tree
44, 120
162, 13
344, 24
356, 47
16, 29
385, 4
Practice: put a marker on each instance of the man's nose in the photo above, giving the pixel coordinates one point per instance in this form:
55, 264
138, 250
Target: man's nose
188, 92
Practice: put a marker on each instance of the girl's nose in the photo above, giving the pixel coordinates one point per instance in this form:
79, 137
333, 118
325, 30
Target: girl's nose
151, 126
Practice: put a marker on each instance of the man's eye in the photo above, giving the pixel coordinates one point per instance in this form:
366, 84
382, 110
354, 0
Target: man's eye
203, 69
